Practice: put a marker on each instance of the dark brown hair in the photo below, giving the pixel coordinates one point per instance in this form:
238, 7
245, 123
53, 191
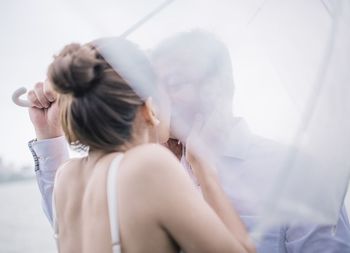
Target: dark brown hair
98, 107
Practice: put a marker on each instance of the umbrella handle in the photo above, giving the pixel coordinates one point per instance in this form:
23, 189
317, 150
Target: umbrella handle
19, 101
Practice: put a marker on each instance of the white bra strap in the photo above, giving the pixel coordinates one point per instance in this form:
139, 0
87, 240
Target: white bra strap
112, 203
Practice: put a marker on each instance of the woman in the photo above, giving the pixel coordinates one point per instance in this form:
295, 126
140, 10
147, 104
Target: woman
128, 194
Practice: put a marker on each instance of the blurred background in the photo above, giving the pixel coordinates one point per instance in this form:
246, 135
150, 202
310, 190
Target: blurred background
34, 30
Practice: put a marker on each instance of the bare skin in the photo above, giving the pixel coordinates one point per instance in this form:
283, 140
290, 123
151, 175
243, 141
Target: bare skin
159, 208
44, 111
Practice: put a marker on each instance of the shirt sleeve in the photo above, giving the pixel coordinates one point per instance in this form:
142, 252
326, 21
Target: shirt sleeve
48, 155
321, 239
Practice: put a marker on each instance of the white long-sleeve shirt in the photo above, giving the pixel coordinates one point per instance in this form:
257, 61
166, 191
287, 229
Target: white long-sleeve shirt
48, 155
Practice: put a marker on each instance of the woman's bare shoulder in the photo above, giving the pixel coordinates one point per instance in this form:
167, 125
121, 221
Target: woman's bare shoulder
150, 161
149, 174
150, 155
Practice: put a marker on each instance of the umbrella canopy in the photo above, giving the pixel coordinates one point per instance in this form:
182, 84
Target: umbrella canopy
280, 65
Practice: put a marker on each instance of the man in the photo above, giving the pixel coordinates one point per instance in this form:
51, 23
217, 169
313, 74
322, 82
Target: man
196, 69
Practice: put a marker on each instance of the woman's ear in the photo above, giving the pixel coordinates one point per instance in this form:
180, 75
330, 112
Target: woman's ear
149, 112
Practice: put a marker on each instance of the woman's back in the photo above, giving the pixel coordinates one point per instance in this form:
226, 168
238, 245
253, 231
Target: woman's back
159, 209
82, 208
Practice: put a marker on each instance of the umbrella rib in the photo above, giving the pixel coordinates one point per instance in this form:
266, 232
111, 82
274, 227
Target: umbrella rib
256, 12
327, 8
146, 18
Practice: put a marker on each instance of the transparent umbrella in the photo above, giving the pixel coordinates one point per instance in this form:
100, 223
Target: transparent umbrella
280, 67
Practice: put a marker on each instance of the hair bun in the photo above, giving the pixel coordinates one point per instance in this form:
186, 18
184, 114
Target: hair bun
75, 70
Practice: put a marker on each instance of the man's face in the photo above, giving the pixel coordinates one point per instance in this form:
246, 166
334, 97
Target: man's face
180, 80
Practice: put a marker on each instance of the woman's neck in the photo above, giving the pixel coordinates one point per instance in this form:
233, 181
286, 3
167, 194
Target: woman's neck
96, 154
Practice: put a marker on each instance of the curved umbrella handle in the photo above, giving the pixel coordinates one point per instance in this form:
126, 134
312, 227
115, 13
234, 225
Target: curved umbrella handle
17, 100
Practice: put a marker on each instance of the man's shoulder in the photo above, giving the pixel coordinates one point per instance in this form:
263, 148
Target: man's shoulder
265, 148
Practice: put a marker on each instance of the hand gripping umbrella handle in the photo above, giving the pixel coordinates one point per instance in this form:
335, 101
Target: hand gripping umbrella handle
19, 101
